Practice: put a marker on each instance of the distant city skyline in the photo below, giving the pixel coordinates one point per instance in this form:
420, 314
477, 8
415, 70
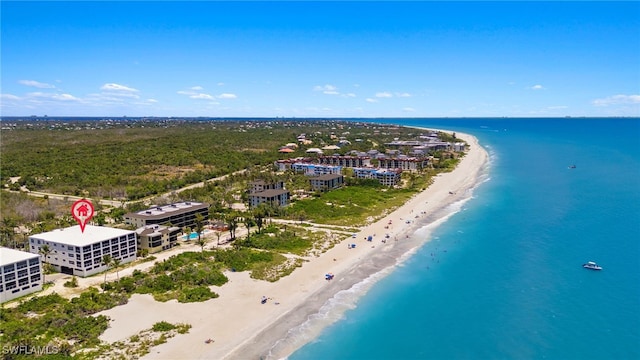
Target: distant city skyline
320, 59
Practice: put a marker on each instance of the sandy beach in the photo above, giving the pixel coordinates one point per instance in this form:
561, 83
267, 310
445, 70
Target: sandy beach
243, 328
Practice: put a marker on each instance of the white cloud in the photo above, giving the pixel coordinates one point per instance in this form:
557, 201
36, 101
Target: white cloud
537, 87
36, 84
349, 95
327, 89
152, 100
117, 87
371, 100
64, 97
220, 84
202, 96
384, 94
194, 94
323, 88
403, 94
617, 100
9, 97
408, 109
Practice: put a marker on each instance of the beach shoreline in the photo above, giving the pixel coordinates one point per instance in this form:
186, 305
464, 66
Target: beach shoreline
244, 328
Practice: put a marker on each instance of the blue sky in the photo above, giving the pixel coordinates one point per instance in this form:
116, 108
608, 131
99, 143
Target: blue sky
320, 59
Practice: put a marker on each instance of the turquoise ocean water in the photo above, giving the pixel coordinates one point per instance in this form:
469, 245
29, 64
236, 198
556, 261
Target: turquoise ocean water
502, 277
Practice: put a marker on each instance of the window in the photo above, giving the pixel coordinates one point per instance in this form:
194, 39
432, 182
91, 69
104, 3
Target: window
9, 277
69, 247
34, 261
21, 265
23, 282
34, 269
8, 268
10, 285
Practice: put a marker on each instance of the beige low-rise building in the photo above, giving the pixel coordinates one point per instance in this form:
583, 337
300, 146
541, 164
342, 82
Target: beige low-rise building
155, 238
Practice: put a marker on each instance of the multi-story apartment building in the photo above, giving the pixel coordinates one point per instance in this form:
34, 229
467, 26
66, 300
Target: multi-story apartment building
345, 161
326, 182
387, 177
315, 169
181, 214
20, 274
277, 197
74, 252
404, 163
261, 185
157, 237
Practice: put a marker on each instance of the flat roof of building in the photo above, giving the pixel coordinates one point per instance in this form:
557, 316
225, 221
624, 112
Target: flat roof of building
327, 177
168, 210
74, 236
10, 256
270, 193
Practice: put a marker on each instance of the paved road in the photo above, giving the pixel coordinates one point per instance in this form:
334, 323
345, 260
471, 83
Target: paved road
118, 203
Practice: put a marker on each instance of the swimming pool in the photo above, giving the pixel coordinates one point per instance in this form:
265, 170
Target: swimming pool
194, 235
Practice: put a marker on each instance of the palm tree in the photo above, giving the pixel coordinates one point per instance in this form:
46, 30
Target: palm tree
218, 233
247, 221
232, 222
106, 259
116, 264
202, 242
45, 251
199, 225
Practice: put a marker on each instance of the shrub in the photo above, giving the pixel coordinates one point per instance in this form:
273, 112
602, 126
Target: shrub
163, 326
72, 283
196, 294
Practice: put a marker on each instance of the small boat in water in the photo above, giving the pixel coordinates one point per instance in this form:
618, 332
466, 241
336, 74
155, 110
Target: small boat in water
592, 265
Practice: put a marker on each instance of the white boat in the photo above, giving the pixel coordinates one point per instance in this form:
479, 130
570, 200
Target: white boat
592, 265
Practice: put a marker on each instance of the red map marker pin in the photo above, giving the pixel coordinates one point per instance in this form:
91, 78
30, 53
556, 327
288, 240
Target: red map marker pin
82, 211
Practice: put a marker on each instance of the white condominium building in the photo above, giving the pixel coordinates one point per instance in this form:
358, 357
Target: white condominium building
74, 252
20, 274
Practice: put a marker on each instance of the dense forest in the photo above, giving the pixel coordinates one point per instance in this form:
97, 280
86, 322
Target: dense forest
132, 160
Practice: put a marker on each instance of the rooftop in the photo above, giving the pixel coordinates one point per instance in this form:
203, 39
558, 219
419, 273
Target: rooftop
74, 236
10, 256
166, 210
